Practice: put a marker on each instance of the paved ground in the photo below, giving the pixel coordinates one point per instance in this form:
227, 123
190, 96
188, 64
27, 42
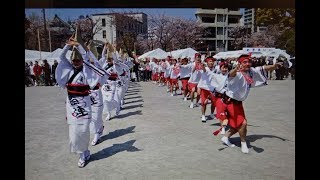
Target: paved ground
158, 137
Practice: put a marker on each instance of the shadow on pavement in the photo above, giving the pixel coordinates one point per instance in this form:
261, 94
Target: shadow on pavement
139, 100
132, 106
130, 94
120, 116
117, 133
133, 97
253, 138
114, 149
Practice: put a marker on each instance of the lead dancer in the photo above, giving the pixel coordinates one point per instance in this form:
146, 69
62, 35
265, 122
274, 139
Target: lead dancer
241, 80
78, 79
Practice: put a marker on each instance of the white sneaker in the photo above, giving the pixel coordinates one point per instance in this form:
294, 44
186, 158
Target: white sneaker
168, 90
226, 141
203, 118
244, 147
212, 116
185, 99
171, 94
191, 105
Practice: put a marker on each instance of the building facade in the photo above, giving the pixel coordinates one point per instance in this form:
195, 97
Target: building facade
106, 28
249, 17
217, 22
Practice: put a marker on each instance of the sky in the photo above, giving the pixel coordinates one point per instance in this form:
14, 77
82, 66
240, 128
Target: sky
74, 13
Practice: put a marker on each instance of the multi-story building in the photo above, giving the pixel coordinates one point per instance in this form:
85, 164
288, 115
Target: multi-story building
107, 29
249, 17
217, 22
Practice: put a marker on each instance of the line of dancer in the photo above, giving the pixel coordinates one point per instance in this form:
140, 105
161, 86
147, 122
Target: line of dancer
94, 87
222, 84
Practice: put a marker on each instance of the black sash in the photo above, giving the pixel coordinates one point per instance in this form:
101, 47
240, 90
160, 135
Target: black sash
76, 71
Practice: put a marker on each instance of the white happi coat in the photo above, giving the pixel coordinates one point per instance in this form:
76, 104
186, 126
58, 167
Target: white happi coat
96, 125
195, 76
185, 70
109, 87
206, 78
239, 88
78, 107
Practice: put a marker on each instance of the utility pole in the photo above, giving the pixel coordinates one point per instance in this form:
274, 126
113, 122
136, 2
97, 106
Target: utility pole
39, 44
45, 27
50, 40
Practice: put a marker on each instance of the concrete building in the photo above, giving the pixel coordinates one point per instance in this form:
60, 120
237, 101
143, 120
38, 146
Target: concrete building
217, 21
249, 17
106, 29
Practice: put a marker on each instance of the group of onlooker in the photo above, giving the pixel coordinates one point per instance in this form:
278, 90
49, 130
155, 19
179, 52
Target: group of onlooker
40, 75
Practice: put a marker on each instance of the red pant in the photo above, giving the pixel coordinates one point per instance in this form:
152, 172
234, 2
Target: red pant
174, 82
184, 83
192, 85
235, 114
206, 94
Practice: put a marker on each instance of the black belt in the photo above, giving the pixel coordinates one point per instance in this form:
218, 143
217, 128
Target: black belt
112, 78
227, 100
219, 95
78, 90
96, 87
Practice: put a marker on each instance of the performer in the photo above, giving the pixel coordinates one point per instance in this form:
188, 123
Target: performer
96, 125
109, 88
240, 81
194, 79
185, 73
219, 82
174, 71
205, 89
78, 79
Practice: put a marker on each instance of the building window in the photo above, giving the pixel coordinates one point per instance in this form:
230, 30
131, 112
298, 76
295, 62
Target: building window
104, 34
220, 18
208, 19
219, 31
103, 22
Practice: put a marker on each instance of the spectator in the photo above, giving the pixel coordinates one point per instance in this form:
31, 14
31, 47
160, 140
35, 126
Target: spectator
47, 73
37, 72
53, 72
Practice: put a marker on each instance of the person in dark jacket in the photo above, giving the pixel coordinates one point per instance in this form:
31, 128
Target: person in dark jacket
47, 73
53, 72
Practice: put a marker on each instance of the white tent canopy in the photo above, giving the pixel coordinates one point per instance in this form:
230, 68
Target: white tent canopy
156, 53
33, 55
55, 55
183, 53
229, 54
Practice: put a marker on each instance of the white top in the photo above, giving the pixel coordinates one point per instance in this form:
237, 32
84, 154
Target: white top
239, 88
174, 71
185, 70
195, 76
204, 82
65, 70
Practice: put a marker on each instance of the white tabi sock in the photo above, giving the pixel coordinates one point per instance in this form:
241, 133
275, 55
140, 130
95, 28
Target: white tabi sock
244, 147
223, 131
95, 139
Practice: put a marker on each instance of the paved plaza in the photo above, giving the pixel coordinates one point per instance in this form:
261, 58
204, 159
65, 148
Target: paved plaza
157, 136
